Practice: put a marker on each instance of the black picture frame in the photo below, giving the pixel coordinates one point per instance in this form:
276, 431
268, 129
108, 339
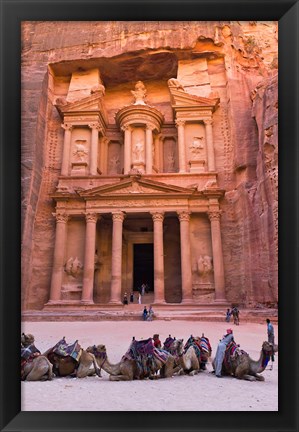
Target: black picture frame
12, 13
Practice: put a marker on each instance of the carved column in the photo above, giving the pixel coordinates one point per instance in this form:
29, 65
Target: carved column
117, 231
93, 163
210, 144
158, 257
58, 260
127, 148
157, 152
217, 255
66, 149
148, 150
103, 155
184, 217
181, 145
90, 241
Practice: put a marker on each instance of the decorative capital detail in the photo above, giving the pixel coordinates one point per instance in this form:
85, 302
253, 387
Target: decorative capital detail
118, 216
61, 217
214, 215
157, 216
208, 122
180, 123
184, 215
149, 127
91, 217
125, 128
95, 126
67, 126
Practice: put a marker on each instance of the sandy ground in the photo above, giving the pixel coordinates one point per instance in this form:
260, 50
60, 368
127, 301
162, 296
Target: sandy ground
180, 393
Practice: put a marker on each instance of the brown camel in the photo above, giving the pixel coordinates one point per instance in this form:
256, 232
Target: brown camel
241, 365
34, 366
67, 365
129, 369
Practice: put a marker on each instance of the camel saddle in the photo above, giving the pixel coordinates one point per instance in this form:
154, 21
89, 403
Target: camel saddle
196, 345
231, 351
64, 349
29, 352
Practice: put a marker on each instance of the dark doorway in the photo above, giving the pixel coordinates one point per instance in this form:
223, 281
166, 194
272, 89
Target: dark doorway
143, 270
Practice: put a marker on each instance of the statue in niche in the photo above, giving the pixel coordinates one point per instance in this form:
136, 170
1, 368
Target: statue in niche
171, 162
175, 83
197, 145
138, 150
73, 267
114, 164
80, 151
204, 265
139, 93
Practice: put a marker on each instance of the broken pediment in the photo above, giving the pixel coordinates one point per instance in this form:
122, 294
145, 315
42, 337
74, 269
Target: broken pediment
180, 98
135, 186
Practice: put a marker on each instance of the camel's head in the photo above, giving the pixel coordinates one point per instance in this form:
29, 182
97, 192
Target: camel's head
178, 347
27, 339
97, 350
268, 348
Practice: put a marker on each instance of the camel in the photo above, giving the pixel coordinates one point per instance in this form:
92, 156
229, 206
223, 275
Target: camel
241, 365
130, 369
192, 357
34, 366
67, 365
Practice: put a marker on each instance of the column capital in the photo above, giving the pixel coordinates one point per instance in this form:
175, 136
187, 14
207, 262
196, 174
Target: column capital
149, 127
118, 216
184, 215
157, 216
67, 126
61, 217
125, 127
91, 217
180, 122
208, 122
214, 215
95, 126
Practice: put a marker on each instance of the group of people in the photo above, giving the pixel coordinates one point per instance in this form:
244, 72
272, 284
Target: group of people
143, 289
148, 315
228, 338
235, 313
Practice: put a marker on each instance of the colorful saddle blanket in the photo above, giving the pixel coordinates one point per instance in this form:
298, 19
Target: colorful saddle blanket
196, 345
145, 355
64, 349
168, 342
29, 352
231, 351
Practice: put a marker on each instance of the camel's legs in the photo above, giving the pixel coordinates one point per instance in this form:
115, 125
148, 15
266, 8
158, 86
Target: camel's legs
119, 378
37, 376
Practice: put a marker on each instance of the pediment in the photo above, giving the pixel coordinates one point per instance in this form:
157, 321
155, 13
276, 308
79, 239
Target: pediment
137, 187
181, 98
86, 104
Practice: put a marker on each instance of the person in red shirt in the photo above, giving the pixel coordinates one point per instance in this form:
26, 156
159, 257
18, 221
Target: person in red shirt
157, 342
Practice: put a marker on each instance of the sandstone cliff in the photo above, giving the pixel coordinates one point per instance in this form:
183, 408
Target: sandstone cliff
241, 65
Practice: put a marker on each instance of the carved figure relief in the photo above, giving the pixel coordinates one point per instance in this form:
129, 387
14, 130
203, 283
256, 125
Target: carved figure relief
139, 93
204, 265
73, 267
197, 146
138, 151
114, 164
174, 83
80, 151
171, 162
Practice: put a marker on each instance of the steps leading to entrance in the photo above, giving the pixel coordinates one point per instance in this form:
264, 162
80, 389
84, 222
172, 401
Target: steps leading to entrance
133, 313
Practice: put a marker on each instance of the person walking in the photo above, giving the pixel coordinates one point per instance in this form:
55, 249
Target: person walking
227, 338
270, 333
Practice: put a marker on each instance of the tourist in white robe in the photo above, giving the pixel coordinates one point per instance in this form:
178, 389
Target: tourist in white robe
221, 351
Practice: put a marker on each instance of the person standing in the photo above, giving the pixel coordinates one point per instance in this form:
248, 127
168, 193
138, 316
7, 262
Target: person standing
221, 351
228, 314
144, 314
139, 298
125, 300
132, 297
270, 333
157, 342
150, 313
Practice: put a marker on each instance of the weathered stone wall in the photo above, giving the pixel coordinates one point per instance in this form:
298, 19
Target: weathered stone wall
236, 59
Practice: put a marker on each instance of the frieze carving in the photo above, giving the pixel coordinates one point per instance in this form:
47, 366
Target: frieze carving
91, 217
184, 216
214, 215
157, 216
73, 267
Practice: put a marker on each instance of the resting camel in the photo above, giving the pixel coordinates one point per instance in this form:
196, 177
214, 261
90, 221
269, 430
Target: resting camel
192, 357
66, 365
241, 365
34, 366
129, 369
